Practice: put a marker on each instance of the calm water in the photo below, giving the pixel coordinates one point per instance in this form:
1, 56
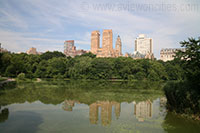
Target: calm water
88, 107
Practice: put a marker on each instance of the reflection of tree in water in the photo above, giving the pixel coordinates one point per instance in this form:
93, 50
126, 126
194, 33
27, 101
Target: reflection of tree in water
85, 92
4, 113
162, 107
68, 105
174, 123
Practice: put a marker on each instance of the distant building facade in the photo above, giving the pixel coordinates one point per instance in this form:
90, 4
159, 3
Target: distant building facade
70, 49
32, 51
168, 54
95, 42
2, 50
143, 44
143, 47
118, 47
107, 44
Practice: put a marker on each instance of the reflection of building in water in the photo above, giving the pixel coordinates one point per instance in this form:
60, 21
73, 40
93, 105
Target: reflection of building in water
93, 113
68, 105
117, 109
106, 112
163, 101
143, 110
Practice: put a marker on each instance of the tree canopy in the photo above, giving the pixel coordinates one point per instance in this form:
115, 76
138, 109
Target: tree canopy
87, 66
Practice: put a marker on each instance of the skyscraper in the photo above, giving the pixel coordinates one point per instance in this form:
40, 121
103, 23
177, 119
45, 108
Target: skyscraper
143, 47
143, 44
118, 46
95, 41
107, 44
107, 41
69, 47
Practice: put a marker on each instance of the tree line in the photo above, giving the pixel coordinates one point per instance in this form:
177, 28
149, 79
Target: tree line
87, 66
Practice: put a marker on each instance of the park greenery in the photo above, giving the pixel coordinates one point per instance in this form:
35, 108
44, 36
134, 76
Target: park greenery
86, 66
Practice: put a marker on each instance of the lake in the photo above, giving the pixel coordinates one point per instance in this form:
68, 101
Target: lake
88, 107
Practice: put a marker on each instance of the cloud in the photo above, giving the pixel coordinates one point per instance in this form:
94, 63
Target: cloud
16, 42
12, 19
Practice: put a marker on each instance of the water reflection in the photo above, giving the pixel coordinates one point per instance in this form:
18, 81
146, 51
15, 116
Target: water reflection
143, 110
104, 109
114, 105
4, 113
69, 104
21, 122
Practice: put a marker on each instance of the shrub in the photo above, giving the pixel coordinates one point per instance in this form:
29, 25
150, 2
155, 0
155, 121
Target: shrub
182, 98
21, 76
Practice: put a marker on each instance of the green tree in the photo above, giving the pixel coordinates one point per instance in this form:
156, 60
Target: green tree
174, 70
49, 55
101, 68
16, 65
5, 60
190, 59
81, 68
41, 71
21, 76
184, 96
56, 66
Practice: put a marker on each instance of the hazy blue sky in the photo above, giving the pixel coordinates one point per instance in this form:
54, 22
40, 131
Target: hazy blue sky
46, 24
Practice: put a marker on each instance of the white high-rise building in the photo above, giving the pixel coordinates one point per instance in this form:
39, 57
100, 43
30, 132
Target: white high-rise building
144, 45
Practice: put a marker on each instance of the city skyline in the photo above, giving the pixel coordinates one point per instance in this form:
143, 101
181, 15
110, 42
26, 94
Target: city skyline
26, 24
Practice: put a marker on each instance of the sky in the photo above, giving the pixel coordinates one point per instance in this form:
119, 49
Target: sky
46, 24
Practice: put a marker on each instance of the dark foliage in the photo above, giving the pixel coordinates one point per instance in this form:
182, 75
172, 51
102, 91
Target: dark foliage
184, 96
87, 66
